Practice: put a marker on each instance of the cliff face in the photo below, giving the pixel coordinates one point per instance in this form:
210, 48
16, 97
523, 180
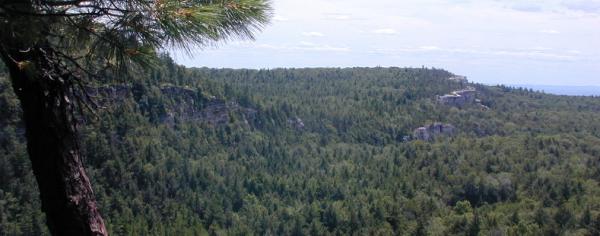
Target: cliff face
296, 122
428, 133
459, 98
459, 79
462, 98
214, 112
178, 104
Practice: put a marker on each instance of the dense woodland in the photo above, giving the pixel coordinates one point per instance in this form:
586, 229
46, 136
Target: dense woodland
320, 151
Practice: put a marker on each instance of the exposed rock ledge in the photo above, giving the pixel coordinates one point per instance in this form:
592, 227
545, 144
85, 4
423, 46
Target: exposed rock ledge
296, 122
459, 98
189, 105
459, 78
428, 133
462, 98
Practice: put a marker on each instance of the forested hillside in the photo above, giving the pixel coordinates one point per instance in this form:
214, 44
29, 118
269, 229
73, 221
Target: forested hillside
323, 151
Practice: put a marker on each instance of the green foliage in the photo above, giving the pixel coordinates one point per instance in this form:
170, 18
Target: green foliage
3, 69
90, 36
527, 166
463, 207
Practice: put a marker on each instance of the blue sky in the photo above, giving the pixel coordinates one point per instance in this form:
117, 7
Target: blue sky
553, 42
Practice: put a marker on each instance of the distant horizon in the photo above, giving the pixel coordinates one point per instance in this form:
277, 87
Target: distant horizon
568, 90
412, 67
553, 42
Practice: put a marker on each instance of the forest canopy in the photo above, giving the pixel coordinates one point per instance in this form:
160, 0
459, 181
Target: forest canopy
54, 48
324, 151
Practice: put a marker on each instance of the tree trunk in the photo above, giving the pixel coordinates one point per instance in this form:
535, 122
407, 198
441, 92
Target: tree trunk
65, 190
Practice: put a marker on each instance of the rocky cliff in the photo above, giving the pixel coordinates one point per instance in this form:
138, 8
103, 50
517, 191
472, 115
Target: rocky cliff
462, 98
459, 98
430, 132
186, 105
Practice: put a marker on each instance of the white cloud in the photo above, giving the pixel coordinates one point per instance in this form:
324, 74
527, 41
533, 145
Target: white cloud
385, 31
549, 31
589, 6
280, 18
533, 54
525, 6
512, 34
304, 46
338, 16
430, 48
305, 43
327, 48
538, 53
552, 6
313, 34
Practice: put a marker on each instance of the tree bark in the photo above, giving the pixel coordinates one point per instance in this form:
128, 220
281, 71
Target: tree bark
66, 194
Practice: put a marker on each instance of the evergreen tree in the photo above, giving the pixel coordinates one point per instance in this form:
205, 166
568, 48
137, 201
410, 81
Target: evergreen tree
475, 226
51, 46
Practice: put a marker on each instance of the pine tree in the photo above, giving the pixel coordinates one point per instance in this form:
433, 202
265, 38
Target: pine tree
586, 218
540, 217
51, 48
475, 226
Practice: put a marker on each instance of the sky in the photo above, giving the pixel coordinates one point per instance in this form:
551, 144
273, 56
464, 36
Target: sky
549, 42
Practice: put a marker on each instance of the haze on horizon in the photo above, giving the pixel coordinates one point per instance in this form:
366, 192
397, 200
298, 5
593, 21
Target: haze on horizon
551, 42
